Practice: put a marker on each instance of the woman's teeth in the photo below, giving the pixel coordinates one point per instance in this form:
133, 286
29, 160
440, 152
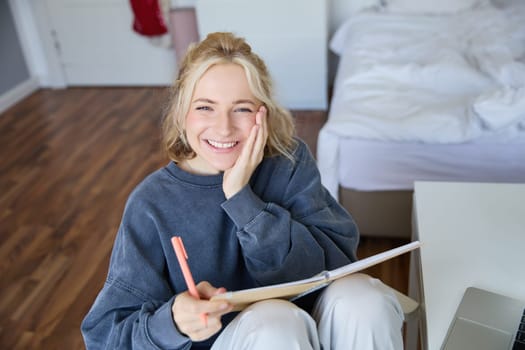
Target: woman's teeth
222, 144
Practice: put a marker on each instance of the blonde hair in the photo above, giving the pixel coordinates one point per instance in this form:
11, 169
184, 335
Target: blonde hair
223, 48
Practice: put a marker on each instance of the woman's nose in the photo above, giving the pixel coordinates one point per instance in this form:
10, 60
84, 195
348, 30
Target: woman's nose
223, 123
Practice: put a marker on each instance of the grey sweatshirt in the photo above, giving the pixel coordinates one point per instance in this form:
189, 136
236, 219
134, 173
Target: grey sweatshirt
282, 226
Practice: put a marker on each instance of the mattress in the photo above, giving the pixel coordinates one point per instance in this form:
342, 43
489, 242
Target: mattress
426, 97
369, 165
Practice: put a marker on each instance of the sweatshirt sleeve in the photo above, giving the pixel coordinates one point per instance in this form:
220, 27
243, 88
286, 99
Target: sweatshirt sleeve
297, 233
133, 309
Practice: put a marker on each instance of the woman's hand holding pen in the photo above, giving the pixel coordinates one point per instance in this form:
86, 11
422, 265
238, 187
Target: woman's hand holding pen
187, 312
252, 154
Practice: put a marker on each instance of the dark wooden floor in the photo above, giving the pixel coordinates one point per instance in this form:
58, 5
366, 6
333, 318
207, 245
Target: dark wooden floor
68, 160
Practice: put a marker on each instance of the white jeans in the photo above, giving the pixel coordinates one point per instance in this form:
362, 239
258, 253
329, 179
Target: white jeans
355, 312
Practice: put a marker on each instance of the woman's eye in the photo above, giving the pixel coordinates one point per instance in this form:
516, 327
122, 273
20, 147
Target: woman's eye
203, 108
244, 110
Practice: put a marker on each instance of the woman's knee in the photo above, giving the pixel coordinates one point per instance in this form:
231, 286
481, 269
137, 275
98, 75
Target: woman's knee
269, 313
359, 312
363, 297
276, 322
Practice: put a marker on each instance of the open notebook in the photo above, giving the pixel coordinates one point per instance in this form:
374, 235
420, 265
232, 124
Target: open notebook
293, 290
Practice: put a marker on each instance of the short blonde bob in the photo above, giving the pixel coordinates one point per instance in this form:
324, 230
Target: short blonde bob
224, 48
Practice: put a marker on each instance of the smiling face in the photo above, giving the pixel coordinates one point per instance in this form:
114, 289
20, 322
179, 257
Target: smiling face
219, 120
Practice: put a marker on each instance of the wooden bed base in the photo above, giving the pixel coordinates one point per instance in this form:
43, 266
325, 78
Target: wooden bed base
380, 213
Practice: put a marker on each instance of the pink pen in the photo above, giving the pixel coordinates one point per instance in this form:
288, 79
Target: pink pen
182, 256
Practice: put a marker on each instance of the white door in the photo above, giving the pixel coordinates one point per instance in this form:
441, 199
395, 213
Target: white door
96, 45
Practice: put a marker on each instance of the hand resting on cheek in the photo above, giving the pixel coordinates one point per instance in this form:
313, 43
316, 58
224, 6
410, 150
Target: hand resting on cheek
251, 156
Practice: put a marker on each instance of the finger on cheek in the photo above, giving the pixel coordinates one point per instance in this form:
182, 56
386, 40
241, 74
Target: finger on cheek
261, 113
255, 131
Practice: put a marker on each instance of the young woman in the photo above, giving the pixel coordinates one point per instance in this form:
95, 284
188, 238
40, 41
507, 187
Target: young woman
246, 198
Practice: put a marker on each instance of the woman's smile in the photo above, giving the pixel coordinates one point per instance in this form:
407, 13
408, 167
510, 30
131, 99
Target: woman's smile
222, 145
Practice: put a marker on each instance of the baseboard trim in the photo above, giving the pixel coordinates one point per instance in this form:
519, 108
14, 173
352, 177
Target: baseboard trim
17, 93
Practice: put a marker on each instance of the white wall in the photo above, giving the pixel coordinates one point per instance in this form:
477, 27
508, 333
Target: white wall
291, 40
36, 35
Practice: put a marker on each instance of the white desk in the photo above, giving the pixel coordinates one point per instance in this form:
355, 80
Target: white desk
472, 234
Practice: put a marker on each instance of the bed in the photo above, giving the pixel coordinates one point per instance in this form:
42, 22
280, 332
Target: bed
424, 90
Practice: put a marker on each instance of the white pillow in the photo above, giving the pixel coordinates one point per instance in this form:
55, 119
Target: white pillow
343, 9
431, 6
355, 6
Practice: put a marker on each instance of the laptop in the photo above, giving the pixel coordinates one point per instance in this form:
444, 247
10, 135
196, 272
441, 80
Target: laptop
487, 321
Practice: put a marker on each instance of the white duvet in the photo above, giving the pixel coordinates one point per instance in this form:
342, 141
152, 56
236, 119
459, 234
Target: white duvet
436, 79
